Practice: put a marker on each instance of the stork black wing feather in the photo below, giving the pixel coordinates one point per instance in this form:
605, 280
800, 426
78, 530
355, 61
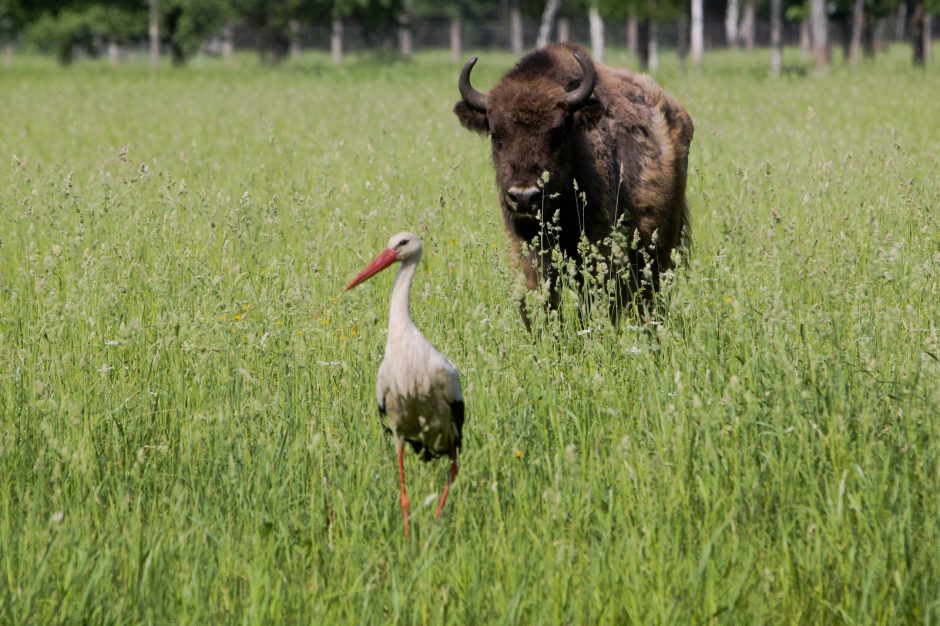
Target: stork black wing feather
382, 416
424, 453
456, 414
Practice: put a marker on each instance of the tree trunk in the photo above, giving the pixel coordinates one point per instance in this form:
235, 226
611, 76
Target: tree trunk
643, 43
845, 25
177, 55
928, 37
868, 36
154, 30
456, 45
633, 34
776, 37
731, 23
748, 26
564, 30
901, 21
858, 24
682, 38
404, 34
918, 32
654, 46
698, 34
114, 54
515, 29
228, 42
273, 43
597, 34
806, 40
295, 48
336, 41
548, 20
820, 34
875, 39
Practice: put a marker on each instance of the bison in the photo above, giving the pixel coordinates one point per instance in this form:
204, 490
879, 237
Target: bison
595, 151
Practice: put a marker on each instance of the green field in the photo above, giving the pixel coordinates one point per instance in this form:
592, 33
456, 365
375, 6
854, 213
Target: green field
187, 423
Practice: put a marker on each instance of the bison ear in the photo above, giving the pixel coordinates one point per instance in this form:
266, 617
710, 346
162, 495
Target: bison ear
471, 119
589, 115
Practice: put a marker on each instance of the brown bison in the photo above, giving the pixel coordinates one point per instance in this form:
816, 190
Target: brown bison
592, 151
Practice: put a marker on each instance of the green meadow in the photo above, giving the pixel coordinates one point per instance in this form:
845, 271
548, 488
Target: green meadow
188, 430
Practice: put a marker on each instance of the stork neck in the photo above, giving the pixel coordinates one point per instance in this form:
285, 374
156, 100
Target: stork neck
399, 315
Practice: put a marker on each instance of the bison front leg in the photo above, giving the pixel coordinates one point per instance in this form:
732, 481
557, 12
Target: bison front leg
540, 276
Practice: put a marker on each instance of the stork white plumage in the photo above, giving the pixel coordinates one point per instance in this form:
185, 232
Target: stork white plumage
418, 389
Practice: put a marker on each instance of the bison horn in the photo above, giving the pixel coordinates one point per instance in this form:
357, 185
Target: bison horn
577, 98
473, 98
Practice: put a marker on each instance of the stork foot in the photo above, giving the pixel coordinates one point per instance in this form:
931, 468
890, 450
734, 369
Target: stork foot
451, 475
404, 512
404, 495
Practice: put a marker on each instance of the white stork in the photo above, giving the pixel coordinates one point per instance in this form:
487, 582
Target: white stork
418, 389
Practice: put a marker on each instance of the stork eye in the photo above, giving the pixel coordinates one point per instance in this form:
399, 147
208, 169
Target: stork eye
401, 243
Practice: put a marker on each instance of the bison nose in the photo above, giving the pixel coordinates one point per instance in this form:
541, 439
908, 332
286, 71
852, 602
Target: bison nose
523, 197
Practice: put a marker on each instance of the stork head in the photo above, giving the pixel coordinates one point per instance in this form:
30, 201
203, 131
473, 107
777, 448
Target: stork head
404, 247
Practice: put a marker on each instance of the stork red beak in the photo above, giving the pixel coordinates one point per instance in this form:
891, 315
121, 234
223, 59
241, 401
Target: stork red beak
380, 263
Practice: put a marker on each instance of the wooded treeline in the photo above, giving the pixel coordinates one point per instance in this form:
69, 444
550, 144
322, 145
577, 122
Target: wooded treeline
181, 28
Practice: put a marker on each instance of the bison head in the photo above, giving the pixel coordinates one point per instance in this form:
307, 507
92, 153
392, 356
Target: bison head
530, 117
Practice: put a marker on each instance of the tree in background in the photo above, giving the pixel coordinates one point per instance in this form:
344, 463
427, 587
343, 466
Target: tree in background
186, 24
597, 11
641, 17
820, 30
13, 18
746, 31
181, 27
548, 21
515, 28
270, 19
153, 30
455, 12
698, 33
65, 28
597, 31
732, 8
776, 37
921, 29
337, 11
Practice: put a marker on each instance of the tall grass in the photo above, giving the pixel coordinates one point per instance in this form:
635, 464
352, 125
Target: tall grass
187, 423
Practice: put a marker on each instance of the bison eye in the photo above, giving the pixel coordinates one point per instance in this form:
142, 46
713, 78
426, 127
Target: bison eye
497, 141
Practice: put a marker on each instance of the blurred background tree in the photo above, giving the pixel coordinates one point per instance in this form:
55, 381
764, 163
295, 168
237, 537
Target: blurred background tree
186, 24
67, 28
277, 29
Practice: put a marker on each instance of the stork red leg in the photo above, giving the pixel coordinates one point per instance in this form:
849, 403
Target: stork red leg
404, 496
451, 475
